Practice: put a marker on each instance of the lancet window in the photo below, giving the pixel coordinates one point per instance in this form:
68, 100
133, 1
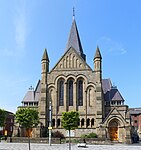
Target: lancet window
70, 92
80, 93
61, 93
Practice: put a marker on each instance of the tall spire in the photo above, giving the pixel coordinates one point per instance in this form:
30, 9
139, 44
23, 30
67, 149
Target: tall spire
74, 39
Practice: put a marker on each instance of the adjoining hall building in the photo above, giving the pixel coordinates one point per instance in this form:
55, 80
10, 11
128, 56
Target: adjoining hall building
72, 85
7, 130
135, 114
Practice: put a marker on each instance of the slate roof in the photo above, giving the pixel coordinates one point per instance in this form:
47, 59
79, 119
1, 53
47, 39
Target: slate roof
135, 111
37, 91
74, 40
111, 93
31, 95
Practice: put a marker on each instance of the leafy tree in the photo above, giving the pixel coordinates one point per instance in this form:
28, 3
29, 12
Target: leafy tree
2, 117
27, 118
70, 122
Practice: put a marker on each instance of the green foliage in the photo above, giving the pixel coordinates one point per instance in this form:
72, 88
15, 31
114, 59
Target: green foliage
2, 117
70, 120
91, 135
27, 117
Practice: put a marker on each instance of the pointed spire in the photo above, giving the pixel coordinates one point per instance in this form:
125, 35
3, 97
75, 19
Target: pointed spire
74, 39
97, 54
45, 55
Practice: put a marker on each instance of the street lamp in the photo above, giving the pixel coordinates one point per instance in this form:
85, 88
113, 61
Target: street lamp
50, 120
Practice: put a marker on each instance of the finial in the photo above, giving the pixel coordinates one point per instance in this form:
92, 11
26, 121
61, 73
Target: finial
31, 88
73, 12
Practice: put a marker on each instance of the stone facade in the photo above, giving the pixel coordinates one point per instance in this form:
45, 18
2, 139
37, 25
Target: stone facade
72, 85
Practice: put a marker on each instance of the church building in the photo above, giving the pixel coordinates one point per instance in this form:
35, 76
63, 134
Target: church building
72, 85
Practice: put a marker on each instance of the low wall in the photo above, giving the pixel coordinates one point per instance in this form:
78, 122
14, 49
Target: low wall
33, 140
59, 140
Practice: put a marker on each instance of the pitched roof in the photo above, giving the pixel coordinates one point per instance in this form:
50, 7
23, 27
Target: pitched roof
37, 91
31, 95
74, 40
110, 92
135, 111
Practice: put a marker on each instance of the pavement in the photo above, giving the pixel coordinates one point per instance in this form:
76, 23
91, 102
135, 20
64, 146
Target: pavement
24, 146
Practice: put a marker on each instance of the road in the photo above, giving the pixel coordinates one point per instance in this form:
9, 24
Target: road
24, 146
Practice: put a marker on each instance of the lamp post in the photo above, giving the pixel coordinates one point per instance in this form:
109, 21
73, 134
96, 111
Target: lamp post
50, 120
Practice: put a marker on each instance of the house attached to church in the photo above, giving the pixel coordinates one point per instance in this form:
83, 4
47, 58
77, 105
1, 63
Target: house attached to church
72, 85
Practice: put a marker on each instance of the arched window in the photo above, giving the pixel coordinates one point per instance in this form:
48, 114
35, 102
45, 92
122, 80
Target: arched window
80, 93
88, 122
70, 92
53, 122
61, 93
58, 122
92, 122
82, 122
89, 94
78, 122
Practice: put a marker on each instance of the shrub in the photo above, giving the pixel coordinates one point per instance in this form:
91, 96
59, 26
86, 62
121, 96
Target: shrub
90, 135
58, 134
84, 136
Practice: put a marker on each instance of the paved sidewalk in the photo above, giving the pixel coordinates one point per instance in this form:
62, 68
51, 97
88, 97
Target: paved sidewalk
24, 146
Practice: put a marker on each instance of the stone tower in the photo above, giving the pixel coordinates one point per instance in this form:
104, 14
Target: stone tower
43, 102
98, 80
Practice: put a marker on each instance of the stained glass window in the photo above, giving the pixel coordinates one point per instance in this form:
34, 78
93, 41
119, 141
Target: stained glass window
70, 92
80, 93
61, 93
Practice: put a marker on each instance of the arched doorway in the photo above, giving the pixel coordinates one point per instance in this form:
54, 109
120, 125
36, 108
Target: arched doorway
113, 130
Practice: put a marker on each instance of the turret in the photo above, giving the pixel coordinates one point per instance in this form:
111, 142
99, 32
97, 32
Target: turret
98, 79
98, 65
45, 66
43, 103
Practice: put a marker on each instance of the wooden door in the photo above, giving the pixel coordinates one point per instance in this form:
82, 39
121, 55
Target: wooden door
113, 132
29, 132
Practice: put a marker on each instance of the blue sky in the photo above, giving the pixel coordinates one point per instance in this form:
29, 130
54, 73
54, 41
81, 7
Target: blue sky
27, 27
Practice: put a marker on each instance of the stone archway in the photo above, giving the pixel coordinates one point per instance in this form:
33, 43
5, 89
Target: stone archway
113, 130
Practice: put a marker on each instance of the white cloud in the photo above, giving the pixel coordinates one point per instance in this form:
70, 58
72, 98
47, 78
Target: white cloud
19, 30
111, 46
20, 23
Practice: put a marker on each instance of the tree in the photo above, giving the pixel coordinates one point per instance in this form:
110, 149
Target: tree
2, 117
70, 122
27, 118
